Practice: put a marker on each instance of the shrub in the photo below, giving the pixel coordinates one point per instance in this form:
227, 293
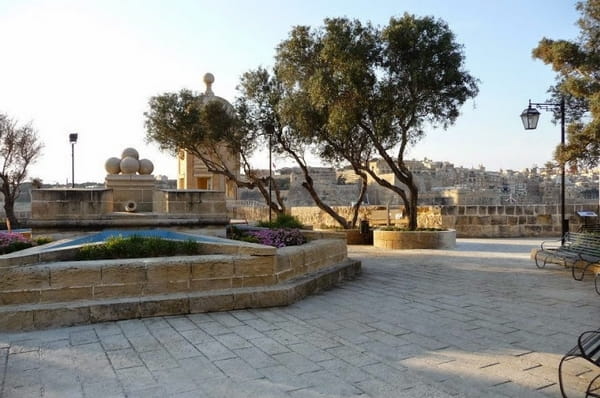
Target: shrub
11, 242
282, 221
136, 246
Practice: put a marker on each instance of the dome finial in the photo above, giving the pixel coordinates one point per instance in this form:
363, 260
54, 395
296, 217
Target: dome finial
209, 79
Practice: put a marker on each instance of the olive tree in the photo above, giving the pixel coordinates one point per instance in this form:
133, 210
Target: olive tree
577, 64
19, 148
349, 81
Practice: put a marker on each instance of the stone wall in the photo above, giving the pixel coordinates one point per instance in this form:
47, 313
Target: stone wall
66, 204
510, 221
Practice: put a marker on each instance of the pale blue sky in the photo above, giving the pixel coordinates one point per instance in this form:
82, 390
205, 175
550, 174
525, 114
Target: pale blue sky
91, 66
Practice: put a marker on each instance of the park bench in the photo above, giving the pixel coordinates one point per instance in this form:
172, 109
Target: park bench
578, 250
588, 348
590, 228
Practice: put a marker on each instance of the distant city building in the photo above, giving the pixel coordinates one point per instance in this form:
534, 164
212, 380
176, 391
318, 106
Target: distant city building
441, 183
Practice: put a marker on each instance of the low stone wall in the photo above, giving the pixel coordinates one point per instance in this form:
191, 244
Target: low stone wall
61, 293
67, 204
414, 239
510, 221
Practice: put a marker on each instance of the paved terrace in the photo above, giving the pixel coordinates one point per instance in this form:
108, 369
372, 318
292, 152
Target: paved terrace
480, 321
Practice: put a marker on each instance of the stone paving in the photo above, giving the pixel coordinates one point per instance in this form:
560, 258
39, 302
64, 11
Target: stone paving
478, 321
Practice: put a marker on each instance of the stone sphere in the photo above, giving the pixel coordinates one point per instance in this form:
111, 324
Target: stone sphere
113, 165
129, 165
146, 166
130, 152
209, 78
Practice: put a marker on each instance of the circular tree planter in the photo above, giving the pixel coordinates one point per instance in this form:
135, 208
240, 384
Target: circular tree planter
415, 239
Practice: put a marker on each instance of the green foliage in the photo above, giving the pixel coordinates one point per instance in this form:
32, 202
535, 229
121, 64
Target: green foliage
577, 64
19, 148
42, 240
282, 221
355, 89
136, 247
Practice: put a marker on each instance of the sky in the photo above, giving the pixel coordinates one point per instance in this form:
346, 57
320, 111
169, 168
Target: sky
90, 67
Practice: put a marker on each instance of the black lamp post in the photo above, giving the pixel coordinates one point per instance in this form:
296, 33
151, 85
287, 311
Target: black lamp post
270, 134
530, 117
73, 140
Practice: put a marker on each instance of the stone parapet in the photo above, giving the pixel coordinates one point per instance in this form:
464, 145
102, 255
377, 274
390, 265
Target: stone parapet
69, 290
469, 221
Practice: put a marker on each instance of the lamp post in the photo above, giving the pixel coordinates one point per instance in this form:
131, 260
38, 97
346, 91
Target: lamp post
270, 133
73, 140
530, 117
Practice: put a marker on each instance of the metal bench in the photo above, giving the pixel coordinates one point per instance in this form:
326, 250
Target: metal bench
578, 250
588, 348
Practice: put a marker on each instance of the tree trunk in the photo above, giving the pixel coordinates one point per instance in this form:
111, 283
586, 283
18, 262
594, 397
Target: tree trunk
11, 218
412, 213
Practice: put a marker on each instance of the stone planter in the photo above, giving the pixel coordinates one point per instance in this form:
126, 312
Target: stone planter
414, 239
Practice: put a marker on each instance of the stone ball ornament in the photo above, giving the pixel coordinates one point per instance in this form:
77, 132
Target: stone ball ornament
130, 152
146, 167
129, 165
113, 165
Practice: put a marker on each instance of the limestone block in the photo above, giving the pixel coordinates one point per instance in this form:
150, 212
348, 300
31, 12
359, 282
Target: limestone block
282, 263
164, 287
283, 276
16, 278
115, 311
20, 297
218, 302
119, 290
165, 306
65, 316
263, 280
243, 300
157, 272
210, 284
512, 220
114, 272
64, 294
16, 320
498, 220
212, 267
82, 274
272, 298
254, 265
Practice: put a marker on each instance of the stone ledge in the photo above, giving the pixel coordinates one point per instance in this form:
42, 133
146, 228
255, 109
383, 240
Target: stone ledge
41, 316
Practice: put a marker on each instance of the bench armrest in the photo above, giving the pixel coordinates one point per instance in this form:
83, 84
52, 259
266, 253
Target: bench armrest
589, 345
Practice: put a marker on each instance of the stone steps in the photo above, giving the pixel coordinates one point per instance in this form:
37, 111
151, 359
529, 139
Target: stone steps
29, 316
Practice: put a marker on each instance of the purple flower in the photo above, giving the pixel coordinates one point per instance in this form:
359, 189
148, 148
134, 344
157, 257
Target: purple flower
279, 237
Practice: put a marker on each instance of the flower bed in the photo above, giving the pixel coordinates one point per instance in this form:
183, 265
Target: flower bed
276, 237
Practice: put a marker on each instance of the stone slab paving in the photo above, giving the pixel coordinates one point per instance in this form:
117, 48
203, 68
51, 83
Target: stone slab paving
478, 321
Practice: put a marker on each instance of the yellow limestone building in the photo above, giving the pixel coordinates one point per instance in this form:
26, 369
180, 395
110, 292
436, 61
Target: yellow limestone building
193, 172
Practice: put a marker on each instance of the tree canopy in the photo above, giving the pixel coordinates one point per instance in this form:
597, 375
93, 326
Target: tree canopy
577, 64
19, 148
349, 85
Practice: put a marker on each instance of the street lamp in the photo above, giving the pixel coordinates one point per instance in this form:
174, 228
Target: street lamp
530, 117
270, 134
73, 140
